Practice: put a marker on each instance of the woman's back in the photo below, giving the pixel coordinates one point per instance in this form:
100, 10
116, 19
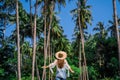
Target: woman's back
61, 64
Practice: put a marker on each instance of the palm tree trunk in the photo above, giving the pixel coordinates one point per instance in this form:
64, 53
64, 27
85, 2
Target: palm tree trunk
34, 42
48, 36
18, 41
85, 72
45, 54
48, 41
30, 5
49, 58
51, 55
84, 58
80, 59
46, 44
37, 70
117, 30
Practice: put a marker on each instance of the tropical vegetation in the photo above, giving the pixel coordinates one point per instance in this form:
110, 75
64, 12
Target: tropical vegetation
37, 35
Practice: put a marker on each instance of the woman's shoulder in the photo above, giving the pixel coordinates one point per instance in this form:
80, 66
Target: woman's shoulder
65, 61
55, 60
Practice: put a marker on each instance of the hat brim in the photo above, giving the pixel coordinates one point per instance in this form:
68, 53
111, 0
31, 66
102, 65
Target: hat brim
61, 52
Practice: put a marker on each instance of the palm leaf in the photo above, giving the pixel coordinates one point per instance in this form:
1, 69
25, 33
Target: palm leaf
96, 29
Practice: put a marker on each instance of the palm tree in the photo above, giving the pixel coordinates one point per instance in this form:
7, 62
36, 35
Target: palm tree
102, 32
56, 29
45, 54
25, 28
47, 37
18, 41
34, 41
117, 30
6, 8
55, 34
112, 29
82, 16
49, 7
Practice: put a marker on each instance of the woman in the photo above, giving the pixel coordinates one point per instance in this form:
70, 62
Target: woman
61, 64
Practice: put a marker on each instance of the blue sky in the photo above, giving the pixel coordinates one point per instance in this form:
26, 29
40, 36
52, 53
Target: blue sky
101, 11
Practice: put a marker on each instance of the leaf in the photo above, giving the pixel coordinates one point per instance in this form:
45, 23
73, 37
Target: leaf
1, 71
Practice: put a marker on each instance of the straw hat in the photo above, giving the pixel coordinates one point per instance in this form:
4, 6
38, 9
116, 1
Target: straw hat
61, 55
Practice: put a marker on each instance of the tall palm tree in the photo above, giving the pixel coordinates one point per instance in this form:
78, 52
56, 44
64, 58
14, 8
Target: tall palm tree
55, 34
45, 54
18, 41
47, 37
82, 16
117, 30
34, 41
49, 7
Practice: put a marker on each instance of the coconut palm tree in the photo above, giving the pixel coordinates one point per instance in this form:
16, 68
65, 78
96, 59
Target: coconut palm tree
48, 12
82, 16
18, 41
117, 30
34, 41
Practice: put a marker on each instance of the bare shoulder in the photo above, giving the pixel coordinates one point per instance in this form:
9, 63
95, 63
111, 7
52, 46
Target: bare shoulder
55, 60
65, 60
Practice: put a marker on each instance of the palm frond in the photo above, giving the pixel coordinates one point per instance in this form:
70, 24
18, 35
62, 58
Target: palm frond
111, 22
74, 11
96, 29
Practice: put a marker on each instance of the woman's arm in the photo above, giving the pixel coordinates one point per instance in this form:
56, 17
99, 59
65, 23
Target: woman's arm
52, 65
45, 66
71, 70
69, 67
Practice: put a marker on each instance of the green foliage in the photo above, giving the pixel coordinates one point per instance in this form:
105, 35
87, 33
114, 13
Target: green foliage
76, 70
100, 49
27, 78
114, 63
107, 79
93, 73
22, 78
117, 77
2, 72
76, 74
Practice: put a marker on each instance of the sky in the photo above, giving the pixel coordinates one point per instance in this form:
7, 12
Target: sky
101, 11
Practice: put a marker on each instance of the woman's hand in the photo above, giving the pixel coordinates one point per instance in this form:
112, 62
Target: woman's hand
45, 66
71, 70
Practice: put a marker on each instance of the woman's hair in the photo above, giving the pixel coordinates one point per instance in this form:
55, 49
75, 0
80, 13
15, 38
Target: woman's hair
60, 63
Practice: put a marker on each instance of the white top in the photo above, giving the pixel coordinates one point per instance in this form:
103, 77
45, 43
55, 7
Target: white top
65, 67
